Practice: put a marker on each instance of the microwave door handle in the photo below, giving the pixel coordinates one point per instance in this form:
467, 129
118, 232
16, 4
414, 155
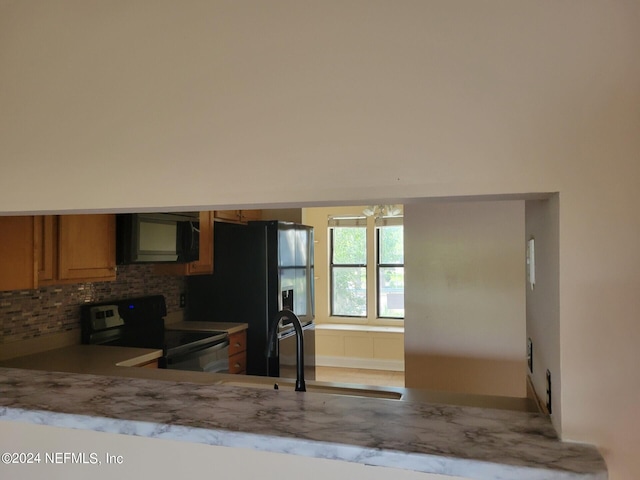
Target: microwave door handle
185, 240
193, 232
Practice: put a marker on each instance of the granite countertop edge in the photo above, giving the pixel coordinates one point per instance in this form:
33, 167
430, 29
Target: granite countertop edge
304, 424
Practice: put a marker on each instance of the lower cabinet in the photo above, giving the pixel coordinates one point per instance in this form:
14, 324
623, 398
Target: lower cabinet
238, 352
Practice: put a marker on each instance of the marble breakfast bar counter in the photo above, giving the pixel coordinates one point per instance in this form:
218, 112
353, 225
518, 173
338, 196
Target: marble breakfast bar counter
477, 443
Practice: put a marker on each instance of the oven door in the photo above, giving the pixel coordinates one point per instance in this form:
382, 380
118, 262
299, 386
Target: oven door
212, 359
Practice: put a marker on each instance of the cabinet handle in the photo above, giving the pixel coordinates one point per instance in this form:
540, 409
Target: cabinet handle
237, 365
237, 344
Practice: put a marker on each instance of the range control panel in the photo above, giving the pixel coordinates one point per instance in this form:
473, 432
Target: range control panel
105, 316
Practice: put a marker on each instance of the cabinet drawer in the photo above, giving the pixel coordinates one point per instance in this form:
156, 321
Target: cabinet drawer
238, 363
237, 342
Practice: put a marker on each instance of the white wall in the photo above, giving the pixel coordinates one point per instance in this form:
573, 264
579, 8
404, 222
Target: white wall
154, 104
465, 308
168, 459
543, 301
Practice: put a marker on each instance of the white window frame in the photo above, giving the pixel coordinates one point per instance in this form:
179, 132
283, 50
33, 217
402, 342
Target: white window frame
371, 268
382, 222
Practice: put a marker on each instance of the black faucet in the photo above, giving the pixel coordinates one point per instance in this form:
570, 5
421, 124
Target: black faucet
273, 339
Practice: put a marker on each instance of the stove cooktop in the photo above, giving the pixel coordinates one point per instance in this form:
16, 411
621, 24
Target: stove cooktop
167, 340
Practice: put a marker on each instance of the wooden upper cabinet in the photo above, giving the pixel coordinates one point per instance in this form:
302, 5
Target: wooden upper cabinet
18, 263
50, 250
46, 237
227, 215
204, 264
250, 215
238, 216
86, 247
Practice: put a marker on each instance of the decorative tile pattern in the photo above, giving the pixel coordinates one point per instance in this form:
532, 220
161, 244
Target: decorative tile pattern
26, 314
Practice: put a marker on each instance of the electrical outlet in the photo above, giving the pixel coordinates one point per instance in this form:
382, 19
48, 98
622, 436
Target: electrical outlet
530, 355
549, 391
183, 300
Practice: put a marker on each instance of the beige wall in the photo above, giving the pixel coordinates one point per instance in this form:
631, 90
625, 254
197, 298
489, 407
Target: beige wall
465, 291
156, 104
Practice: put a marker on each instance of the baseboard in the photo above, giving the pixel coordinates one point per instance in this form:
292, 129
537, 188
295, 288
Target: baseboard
356, 362
533, 395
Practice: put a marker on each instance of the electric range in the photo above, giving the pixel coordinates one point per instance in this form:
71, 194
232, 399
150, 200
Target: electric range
139, 322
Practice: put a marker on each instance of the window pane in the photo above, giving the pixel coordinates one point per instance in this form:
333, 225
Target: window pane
349, 245
392, 245
391, 286
349, 296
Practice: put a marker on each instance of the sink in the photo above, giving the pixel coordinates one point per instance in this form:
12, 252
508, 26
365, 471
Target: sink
288, 385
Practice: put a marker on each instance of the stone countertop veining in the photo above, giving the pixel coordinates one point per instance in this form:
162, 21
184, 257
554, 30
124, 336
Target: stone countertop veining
466, 441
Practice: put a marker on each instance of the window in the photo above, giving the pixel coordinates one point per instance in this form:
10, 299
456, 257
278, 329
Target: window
366, 262
349, 268
390, 270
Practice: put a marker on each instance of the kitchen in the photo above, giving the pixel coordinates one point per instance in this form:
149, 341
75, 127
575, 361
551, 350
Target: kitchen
141, 279
81, 360
553, 99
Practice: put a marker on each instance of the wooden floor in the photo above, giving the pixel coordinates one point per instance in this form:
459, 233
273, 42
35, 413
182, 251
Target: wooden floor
360, 376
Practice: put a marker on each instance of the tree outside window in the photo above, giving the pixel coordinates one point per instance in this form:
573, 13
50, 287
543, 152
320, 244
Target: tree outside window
349, 271
390, 268
350, 287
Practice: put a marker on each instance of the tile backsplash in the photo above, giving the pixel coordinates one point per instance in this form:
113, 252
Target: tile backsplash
26, 314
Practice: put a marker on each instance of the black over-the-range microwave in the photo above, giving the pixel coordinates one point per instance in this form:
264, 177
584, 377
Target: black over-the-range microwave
157, 237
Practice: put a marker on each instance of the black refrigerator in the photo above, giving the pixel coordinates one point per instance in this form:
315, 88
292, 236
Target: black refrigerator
259, 269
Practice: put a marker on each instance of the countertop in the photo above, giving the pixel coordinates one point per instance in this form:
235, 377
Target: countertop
228, 327
98, 359
481, 443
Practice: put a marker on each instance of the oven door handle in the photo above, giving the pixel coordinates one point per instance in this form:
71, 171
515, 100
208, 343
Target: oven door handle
197, 353
286, 333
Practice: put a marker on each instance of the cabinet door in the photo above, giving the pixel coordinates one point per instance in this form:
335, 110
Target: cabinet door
18, 264
46, 247
86, 247
204, 264
237, 342
238, 363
